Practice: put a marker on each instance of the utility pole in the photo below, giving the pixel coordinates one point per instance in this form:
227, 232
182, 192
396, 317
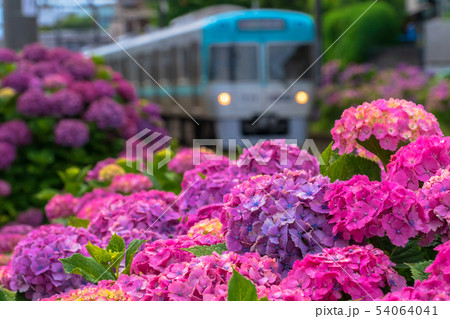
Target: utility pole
19, 23
319, 41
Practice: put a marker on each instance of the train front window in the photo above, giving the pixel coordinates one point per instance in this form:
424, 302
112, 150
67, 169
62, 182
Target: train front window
288, 62
234, 63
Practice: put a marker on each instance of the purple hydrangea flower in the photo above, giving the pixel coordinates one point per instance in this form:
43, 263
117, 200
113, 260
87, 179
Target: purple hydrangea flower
9, 154
81, 68
59, 54
32, 217
12, 234
34, 103
15, 132
282, 216
35, 267
126, 91
34, 52
55, 82
18, 80
106, 113
71, 133
103, 88
85, 89
140, 212
66, 102
7, 55
5, 188
61, 206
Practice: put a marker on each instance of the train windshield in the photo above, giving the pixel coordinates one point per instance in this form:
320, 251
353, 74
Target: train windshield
234, 63
288, 62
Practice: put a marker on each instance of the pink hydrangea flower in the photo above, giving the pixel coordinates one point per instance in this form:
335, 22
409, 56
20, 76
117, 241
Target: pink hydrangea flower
61, 206
11, 235
5, 276
184, 159
206, 278
359, 271
130, 183
361, 209
415, 163
389, 121
158, 255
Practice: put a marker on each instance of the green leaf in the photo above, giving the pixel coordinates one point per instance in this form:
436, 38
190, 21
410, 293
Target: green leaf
202, 176
77, 222
348, 165
116, 244
241, 288
132, 249
373, 146
264, 299
87, 267
46, 194
7, 295
418, 269
326, 156
199, 251
100, 255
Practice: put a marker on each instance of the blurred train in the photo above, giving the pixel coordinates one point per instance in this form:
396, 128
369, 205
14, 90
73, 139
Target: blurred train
226, 68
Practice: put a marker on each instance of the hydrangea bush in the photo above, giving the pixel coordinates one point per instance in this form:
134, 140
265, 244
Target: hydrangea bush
60, 109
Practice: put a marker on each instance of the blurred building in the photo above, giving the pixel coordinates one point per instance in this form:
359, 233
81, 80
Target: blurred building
132, 17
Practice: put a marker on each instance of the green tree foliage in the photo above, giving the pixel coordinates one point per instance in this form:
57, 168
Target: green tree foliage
377, 27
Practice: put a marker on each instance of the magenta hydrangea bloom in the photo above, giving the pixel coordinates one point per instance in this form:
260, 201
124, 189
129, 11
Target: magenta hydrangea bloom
80, 68
139, 212
416, 162
71, 133
206, 278
34, 103
61, 206
103, 88
389, 121
89, 204
361, 272
270, 157
59, 54
18, 80
36, 269
276, 293
436, 287
5, 188
435, 197
158, 255
9, 154
7, 55
55, 82
15, 132
183, 161
66, 102
85, 89
212, 211
126, 91
130, 183
282, 216
106, 113
34, 52
11, 235
360, 209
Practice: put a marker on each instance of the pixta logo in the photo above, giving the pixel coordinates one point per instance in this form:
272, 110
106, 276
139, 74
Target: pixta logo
142, 147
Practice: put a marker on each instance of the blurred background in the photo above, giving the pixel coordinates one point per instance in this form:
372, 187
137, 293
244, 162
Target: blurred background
227, 69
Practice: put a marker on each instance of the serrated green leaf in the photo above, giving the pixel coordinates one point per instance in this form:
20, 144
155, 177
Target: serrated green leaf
241, 288
418, 269
132, 249
99, 254
77, 222
326, 156
116, 244
346, 166
87, 267
199, 251
7, 295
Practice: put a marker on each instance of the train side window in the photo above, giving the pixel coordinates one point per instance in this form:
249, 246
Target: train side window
152, 67
125, 68
234, 63
288, 62
172, 65
140, 73
183, 65
194, 63
164, 62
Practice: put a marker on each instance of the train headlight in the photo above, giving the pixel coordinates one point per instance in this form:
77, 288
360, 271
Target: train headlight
301, 97
224, 98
